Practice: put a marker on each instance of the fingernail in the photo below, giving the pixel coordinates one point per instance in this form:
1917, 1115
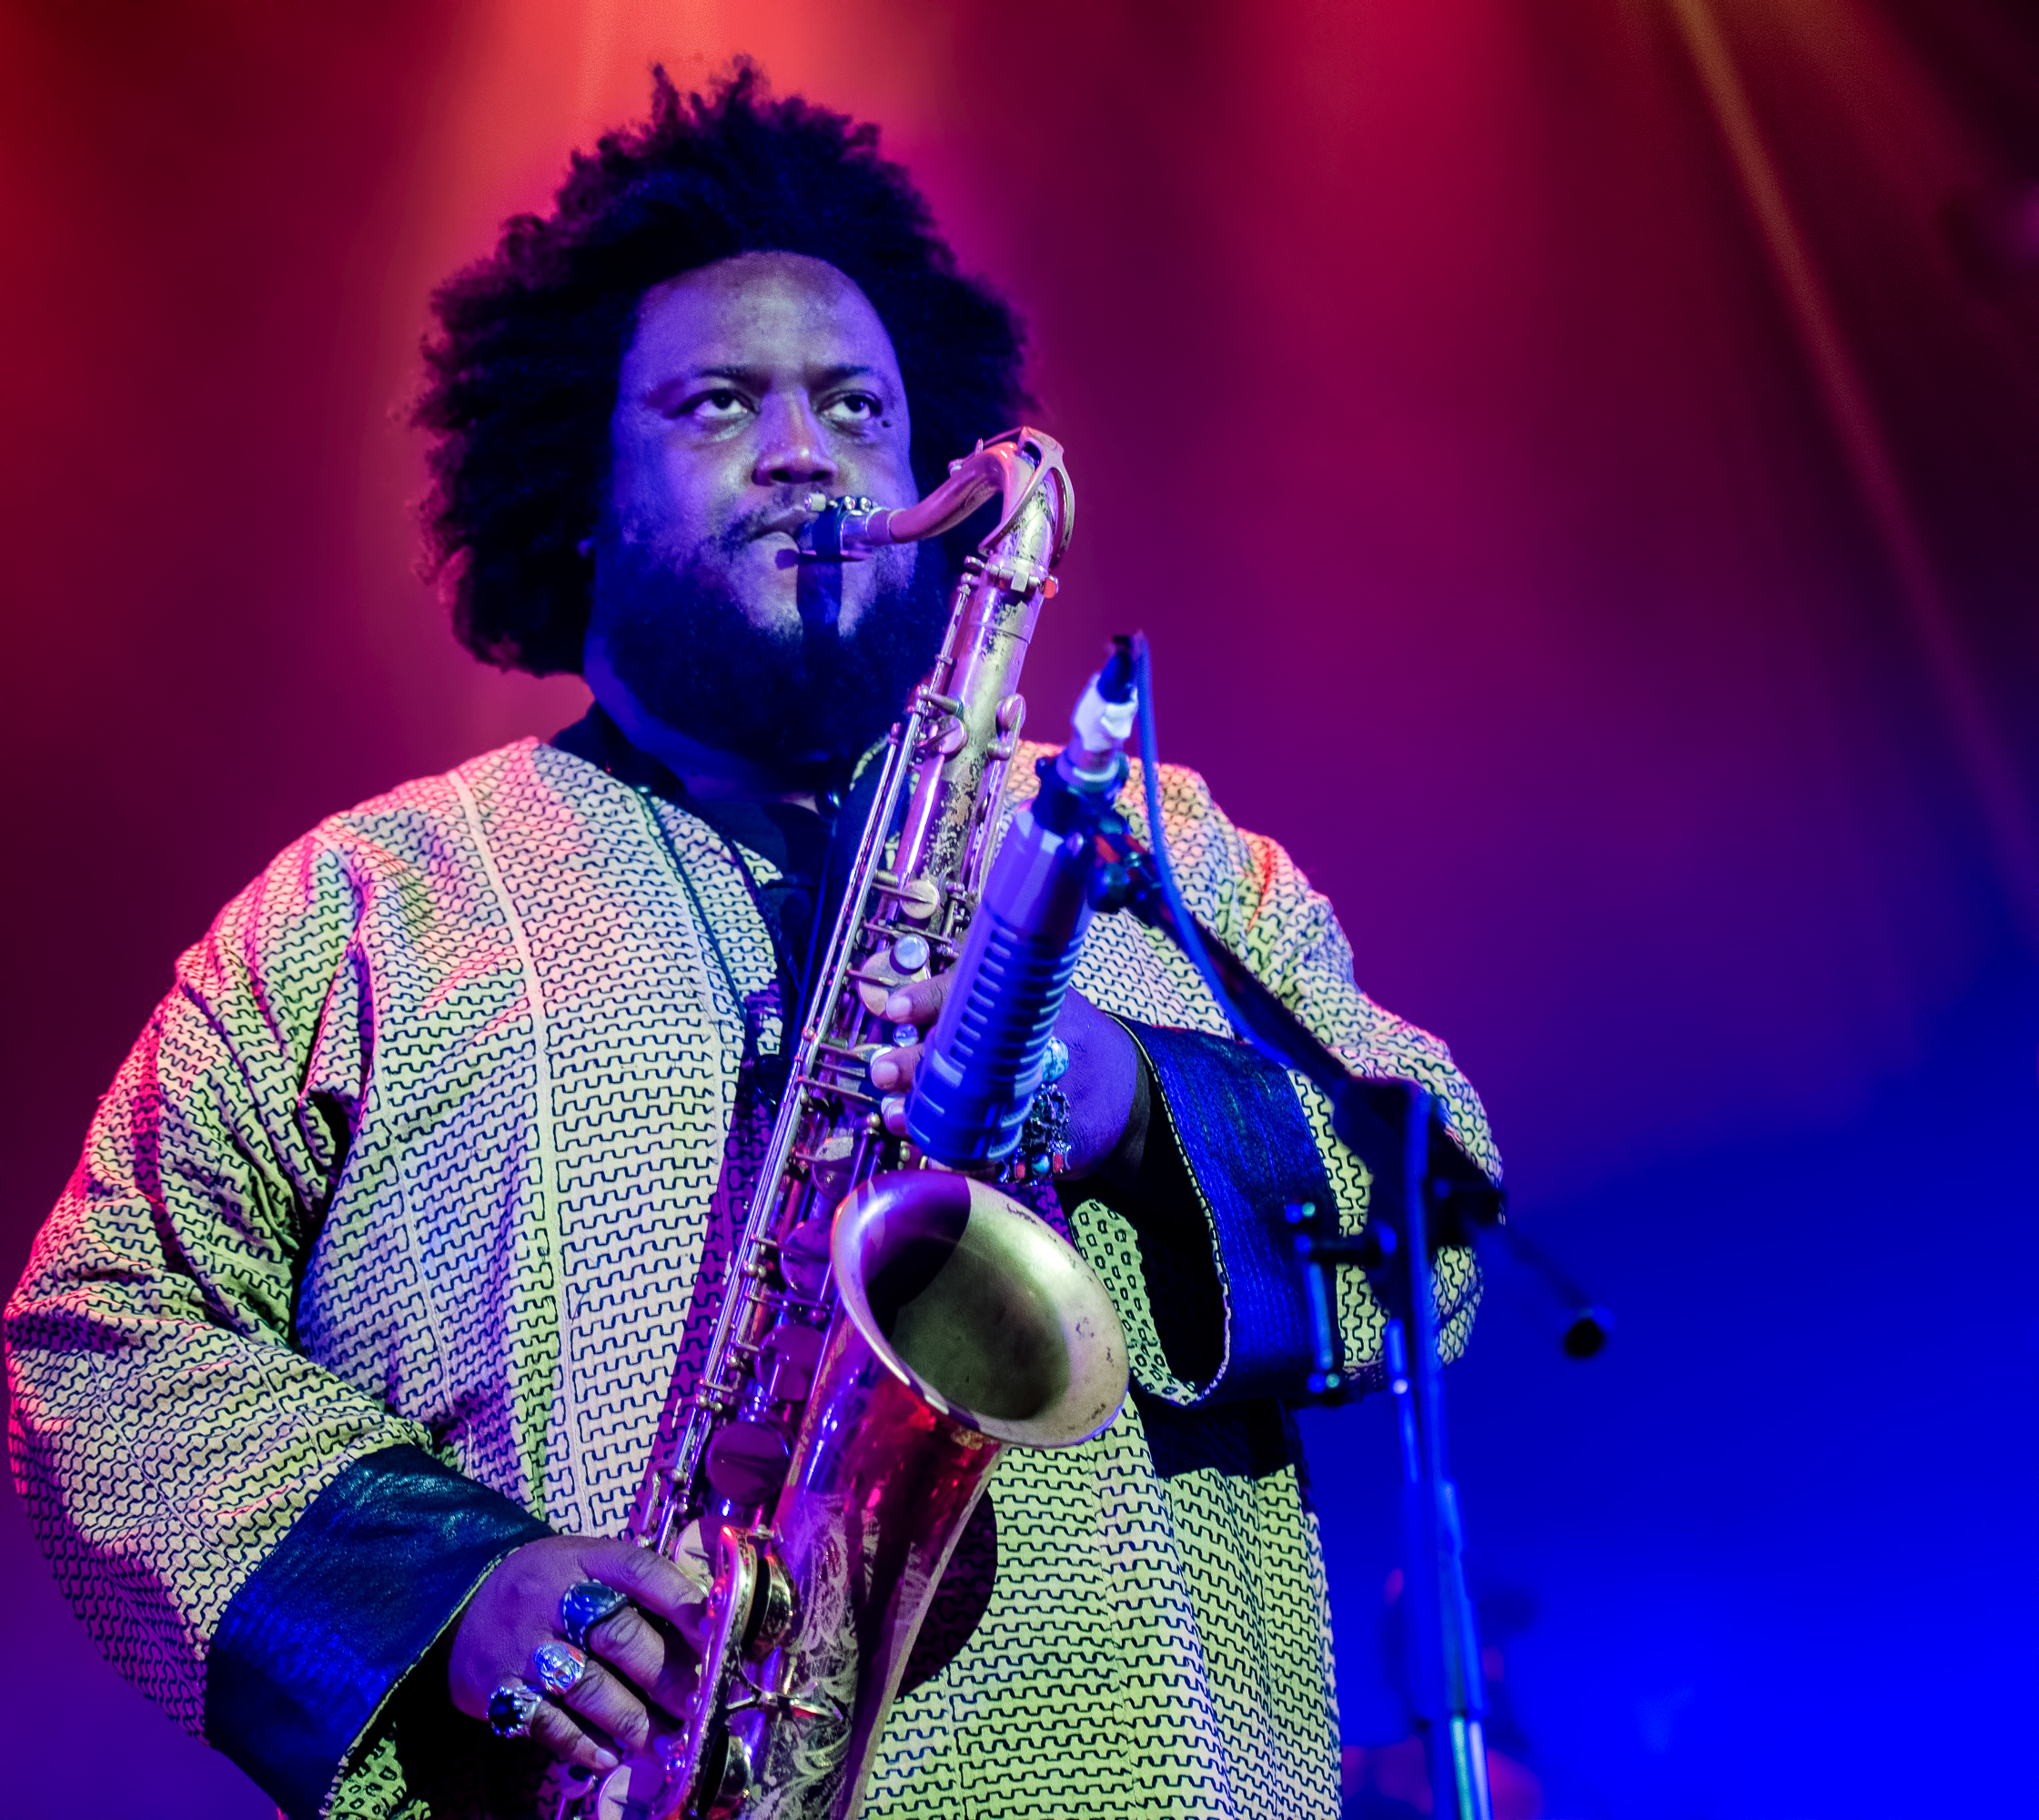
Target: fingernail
606, 1759
899, 1006
884, 1074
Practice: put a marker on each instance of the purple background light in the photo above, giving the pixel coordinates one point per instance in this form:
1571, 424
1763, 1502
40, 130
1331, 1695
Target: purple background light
1442, 411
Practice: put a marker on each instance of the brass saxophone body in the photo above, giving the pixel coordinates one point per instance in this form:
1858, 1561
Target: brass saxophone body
887, 1327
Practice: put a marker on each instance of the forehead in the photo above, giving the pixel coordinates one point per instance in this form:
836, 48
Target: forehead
777, 310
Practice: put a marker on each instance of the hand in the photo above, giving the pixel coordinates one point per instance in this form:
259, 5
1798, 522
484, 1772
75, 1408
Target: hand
639, 1673
1104, 1068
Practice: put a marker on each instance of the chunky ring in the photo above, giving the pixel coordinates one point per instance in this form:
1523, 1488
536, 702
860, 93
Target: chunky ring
558, 1667
511, 1708
585, 1603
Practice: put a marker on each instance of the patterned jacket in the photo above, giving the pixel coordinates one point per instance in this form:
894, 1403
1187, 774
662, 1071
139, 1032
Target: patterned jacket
389, 1231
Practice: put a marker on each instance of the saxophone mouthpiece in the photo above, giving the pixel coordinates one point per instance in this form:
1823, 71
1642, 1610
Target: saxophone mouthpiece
847, 530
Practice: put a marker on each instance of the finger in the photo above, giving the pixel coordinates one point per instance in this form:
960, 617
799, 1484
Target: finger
657, 1663
919, 1001
893, 1069
562, 1734
893, 1110
607, 1702
646, 1575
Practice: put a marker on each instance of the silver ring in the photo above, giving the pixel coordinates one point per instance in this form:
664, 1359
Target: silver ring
558, 1667
584, 1606
512, 1707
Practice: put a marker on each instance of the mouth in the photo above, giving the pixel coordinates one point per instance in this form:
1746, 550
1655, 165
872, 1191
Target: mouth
784, 524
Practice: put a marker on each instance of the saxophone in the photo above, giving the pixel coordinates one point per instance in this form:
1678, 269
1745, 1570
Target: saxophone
888, 1328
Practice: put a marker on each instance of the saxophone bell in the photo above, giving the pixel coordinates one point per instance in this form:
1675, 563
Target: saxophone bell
965, 1325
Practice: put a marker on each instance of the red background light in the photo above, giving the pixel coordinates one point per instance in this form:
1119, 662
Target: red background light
1434, 406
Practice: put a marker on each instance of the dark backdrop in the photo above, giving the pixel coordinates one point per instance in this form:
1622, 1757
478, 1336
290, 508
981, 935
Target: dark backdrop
1576, 459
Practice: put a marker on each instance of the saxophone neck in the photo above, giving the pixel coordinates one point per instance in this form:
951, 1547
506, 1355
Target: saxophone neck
1013, 468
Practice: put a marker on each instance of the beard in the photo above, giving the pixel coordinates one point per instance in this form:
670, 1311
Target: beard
803, 703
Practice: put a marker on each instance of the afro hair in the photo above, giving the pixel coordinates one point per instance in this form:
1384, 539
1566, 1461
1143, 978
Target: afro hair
522, 374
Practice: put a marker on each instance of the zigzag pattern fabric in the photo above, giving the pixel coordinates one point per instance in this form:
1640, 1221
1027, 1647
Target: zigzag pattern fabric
441, 1138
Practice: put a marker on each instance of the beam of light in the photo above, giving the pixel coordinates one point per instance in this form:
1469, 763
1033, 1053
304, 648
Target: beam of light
1992, 773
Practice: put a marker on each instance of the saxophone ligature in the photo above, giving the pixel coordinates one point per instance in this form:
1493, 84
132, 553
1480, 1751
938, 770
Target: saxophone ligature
888, 1328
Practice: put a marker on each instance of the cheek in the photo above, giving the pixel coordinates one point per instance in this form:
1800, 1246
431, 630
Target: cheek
688, 477
662, 496
634, 485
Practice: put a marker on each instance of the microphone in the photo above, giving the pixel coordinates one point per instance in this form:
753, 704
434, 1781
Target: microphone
984, 1062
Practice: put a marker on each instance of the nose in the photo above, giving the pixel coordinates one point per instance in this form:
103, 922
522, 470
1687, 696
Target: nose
792, 446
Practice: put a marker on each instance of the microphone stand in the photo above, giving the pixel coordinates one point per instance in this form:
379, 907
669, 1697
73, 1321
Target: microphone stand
1423, 1187
1421, 1180
1419, 1173
1446, 1686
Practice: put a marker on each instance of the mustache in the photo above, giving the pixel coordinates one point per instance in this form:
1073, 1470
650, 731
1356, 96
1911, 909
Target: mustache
785, 513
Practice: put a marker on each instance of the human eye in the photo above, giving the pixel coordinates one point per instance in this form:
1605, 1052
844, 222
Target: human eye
712, 408
853, 410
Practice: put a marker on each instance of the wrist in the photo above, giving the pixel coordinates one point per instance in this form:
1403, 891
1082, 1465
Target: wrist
1120, 1165
1104, 1083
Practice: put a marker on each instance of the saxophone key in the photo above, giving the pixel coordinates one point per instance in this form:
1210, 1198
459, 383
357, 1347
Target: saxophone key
897, 964
774, 1605
747, 1462
918, 898
803, 1259
631, 1791
787, 1359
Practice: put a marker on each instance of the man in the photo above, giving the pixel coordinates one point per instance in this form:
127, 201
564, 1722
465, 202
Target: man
346, 1345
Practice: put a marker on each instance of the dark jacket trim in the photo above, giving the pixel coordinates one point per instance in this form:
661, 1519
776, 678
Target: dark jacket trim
314, 1643
1242, 1133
